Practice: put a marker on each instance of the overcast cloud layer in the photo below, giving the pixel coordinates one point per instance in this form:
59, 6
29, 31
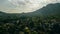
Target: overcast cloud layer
18, 6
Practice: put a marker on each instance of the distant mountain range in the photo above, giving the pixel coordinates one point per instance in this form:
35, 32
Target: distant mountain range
50, 9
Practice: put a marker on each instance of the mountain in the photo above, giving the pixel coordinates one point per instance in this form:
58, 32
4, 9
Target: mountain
50, 9
2, 14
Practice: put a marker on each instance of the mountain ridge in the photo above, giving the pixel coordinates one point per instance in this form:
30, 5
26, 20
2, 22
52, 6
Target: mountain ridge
50, 9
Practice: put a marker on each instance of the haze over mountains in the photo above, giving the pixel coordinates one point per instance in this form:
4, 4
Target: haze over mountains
50, 9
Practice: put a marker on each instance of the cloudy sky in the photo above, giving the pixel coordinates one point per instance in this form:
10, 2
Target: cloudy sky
19, 6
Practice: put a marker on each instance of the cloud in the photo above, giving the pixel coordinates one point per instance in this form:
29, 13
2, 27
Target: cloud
16, 6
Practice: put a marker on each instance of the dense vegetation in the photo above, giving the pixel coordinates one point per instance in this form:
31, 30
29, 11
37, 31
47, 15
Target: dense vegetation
30, 25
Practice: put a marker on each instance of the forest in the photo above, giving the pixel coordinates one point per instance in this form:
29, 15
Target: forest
30, 25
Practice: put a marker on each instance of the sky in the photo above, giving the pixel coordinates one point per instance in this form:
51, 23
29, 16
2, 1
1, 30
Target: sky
19, 6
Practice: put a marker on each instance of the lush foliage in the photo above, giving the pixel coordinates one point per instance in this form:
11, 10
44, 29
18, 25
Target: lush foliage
30, 25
